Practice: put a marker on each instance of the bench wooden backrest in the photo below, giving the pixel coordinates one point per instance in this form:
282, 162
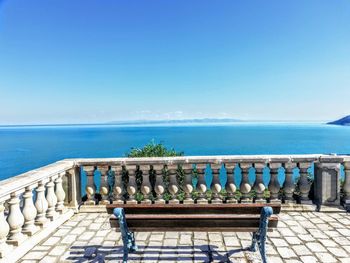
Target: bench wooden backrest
194, 217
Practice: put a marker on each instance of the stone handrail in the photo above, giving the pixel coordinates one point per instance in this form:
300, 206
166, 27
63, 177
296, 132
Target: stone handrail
31, 200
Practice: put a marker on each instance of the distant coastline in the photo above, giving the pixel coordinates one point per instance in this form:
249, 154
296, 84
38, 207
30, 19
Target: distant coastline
345, 121
175, 122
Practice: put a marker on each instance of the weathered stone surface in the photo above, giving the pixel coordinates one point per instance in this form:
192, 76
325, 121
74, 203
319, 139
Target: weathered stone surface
293, 242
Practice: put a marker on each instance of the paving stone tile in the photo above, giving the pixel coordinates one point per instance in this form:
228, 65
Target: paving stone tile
142, 236
36, 255
78, 230
292, 222
156, 237
51, 241
86, 236
328, 243
173, 235
226, 234
95, 226
279, 242
85, 222
286, 232
69, 239
286, 252
231, 241
245, 243
331, 233
274, 234
306, 238
318, 234
235, 252
301, 250
343, 241
293, 240
169, 242
102, 233
57, 250
347, 248
344, 231
185, 240
338, 252
42, 248
97, 241
270, 250
326, 257
108, 243
316, 247
275, 259
309, 259
214, 237
113, 236
244, 235
48, 259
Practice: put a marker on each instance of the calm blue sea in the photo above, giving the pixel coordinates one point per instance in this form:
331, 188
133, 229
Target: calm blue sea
26, 148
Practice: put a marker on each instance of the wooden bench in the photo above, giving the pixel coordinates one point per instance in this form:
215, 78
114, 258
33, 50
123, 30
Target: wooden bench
255, 218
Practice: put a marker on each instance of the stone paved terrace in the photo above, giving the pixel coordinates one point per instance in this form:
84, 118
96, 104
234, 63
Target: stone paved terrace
300, 237
57, 213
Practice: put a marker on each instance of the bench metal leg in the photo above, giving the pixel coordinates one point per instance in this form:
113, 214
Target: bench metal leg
128, 237
259, 237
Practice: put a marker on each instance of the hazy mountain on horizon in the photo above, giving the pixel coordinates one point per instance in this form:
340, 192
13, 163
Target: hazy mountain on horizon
345, 121
204, 120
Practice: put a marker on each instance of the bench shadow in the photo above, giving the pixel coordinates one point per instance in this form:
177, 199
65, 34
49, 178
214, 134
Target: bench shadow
202, 253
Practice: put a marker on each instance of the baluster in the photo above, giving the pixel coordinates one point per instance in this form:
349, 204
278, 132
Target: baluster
41, 205
346, 187
4, 230
245, 187
51, 200
146, 187
15, 220
131, 186
90, 185
304, 184
230, 184
159, 184
215, 185
274, 185
118, 188
173, 185
29, 212
104, 187
60, 194
259, 186
188, 185
289, 185
201, 184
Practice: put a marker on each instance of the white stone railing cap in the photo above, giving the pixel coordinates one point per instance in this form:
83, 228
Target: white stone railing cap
18, 183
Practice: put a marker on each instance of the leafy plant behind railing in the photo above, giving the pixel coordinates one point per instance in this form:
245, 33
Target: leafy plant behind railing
153, 149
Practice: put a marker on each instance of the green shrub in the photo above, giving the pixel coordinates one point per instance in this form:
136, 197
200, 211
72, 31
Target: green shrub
153, 149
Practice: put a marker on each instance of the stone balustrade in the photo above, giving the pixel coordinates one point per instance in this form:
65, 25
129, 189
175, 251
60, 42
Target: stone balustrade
35, 202
216, 179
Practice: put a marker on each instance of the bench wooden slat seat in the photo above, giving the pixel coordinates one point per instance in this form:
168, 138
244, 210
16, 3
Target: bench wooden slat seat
255, 218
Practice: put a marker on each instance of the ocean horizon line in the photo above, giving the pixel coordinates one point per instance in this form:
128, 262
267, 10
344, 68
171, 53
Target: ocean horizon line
183, 122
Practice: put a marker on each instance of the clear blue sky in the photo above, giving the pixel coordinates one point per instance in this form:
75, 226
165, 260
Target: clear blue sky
86, 61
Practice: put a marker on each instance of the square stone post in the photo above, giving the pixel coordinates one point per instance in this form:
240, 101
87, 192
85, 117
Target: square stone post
73, 189
327, 181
